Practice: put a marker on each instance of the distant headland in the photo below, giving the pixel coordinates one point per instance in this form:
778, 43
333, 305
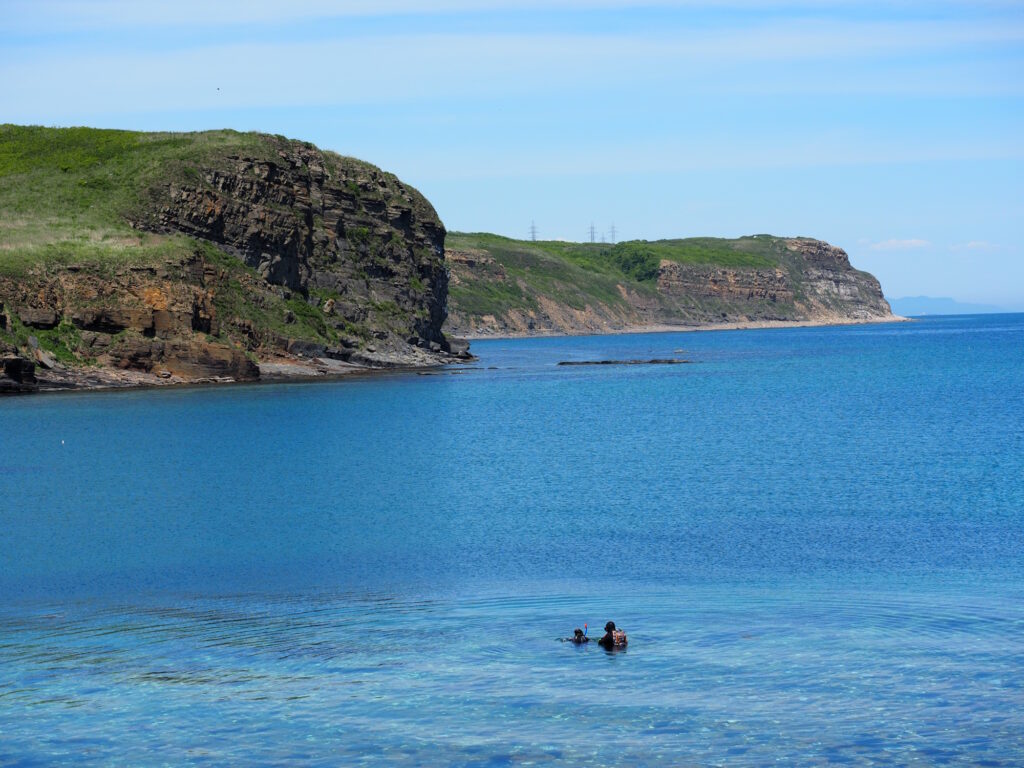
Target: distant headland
503, 287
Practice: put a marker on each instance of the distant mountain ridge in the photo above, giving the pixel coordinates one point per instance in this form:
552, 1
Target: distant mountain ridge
500, 286
942, 305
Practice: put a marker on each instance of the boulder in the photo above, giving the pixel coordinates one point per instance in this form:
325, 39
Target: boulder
96, 342
114, 319
195, 359
45, 359
458, 347
306, 348
135, 353
38, 317
338, 353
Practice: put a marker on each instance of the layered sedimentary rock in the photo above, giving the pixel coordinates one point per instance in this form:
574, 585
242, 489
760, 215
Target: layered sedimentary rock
323, 225
275, 251
793, 280
151, 319
727, 284
829, 288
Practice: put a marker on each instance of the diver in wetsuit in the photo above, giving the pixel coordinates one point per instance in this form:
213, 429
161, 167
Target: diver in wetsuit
578, 638
612, 638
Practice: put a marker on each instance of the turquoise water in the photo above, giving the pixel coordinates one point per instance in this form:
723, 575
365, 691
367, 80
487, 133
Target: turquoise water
814, 538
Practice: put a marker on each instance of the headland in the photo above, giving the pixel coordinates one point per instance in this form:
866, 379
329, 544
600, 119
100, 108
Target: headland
145, 259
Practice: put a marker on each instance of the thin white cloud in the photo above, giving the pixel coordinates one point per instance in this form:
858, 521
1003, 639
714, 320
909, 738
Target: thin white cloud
67, 15
900, 245
975, 245
393, 69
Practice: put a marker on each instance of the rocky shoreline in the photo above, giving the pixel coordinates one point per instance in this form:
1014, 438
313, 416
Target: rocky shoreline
30, 379
687, 328
19, 375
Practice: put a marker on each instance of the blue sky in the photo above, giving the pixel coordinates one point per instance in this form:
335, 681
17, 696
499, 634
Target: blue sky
895, 130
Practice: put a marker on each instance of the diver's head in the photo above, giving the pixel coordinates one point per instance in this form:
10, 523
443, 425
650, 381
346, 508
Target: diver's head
578, 632
609, 627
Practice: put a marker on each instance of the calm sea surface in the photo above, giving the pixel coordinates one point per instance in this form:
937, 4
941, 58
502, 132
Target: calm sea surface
814, 538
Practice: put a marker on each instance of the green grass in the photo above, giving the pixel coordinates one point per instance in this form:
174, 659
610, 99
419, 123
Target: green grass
571, 274
68, 197
483, 298
67, 194
61, 341
580, 274
635, 260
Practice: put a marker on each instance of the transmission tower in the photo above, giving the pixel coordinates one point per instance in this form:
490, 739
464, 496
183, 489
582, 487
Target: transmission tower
613, 233
533, 231
591, 231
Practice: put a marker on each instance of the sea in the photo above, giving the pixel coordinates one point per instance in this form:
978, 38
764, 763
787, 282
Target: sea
813, 538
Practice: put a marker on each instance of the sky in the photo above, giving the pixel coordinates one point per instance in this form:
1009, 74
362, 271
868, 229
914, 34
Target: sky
894, 130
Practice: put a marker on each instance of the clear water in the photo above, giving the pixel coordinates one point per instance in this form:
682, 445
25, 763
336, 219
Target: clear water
814, 538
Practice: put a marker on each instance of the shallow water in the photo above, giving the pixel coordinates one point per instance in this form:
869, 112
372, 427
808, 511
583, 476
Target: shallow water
814, 537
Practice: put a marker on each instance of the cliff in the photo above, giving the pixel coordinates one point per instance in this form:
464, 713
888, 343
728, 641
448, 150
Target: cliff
508, 287
145, 258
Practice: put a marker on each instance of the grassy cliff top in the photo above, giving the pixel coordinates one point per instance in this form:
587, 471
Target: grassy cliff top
67, 194
573, 274
635, 260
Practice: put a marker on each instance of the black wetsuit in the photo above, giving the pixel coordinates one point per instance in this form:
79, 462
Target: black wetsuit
608, 641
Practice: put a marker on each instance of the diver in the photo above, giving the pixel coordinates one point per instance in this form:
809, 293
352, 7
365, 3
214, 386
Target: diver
613, 638
578, 637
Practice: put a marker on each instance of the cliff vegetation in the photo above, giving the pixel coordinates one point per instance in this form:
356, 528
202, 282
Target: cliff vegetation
185, 256
505, 286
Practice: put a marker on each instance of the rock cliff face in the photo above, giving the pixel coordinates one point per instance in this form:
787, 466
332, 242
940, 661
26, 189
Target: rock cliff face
828, 287
813, 282
505, 288
756, 286
322, 226
151, 319
268, 252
